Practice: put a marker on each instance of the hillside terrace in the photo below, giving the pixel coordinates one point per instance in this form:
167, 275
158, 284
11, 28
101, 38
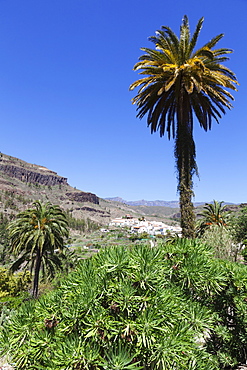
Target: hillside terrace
150, 227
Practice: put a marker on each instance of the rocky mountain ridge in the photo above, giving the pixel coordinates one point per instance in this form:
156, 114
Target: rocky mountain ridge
32, 176
21, 183
151, 203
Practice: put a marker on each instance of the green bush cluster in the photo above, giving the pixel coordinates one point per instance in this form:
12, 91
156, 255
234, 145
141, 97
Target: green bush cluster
221, 240
240, 226
12, 284
86, 225
168, 307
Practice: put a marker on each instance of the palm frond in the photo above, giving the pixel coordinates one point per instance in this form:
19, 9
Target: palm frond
184, 40
195, 36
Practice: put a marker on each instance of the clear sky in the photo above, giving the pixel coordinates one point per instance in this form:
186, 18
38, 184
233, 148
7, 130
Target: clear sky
65, 71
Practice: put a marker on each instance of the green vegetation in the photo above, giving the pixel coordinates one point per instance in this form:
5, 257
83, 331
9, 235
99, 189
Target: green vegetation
224, 231
133, 301
127, 304
213, 214
178, 83
4, 255
34, 236
81, 224
168, 307
12, 201
12, 285
221, 240
240, 226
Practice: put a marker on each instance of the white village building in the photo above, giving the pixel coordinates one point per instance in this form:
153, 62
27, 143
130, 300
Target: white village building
150, 227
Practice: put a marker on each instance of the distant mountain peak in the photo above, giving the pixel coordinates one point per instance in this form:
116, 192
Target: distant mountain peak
155, 203
143, 202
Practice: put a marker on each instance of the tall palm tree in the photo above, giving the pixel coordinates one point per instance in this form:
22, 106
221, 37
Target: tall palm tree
34, 235
181, 84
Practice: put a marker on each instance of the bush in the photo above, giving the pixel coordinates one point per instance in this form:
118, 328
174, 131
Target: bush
12, 284
167, 307
240, 226
220, 239
4, 242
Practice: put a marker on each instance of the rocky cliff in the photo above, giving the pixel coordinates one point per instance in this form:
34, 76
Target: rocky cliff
27, 173
32, 177
21, 183
83, 197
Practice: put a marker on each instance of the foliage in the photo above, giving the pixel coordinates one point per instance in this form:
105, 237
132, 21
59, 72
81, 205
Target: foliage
215, 229
34, 235
239, 230
220, 239
4, 256
177, 83
10, 204
12, 284
81, 224
144, 235
240, 226
170, 307
213, 214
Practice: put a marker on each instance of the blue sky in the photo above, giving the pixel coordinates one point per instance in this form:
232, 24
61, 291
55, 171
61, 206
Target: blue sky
65, 71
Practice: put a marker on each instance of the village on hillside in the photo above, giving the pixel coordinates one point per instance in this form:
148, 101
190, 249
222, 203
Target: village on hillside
140, 225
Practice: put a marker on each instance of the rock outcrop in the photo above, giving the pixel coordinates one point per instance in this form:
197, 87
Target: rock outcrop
38, 182
83, 197
32, 177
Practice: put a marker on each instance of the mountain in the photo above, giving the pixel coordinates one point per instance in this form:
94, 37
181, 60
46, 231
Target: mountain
151, 203
21, 183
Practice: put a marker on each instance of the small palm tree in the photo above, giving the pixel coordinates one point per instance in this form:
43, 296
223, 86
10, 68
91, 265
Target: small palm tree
180, 84
34, 235
213, 214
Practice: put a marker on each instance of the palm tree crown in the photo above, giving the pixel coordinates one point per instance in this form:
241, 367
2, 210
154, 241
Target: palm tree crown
213, 214
181, 83
34, 236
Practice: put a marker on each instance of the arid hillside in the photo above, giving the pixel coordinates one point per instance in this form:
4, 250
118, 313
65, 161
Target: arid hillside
21, 183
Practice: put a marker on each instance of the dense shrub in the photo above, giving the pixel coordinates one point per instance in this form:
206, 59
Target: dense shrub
12, 284
240, 226
221, 240
4, 254
82, 225
168, 307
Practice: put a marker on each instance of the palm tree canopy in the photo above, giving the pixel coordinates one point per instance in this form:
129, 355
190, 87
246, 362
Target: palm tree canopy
43, 227
34, 235
213, 214
174, 64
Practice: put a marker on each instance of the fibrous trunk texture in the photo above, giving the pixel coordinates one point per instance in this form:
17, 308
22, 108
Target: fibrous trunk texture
185, 162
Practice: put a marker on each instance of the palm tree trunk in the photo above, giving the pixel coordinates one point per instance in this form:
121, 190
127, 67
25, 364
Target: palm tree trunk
36, 274
187, 212
185, 163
